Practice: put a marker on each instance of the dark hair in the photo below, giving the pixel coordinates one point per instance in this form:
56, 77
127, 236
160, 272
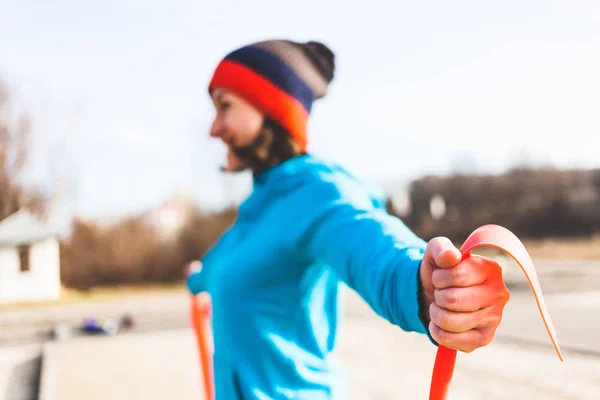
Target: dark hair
273, 145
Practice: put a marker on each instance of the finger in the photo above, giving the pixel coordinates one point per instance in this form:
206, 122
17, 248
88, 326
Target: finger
442, 252
464, 341
193, 267
469, 272
467, 299
204, 300
457, 322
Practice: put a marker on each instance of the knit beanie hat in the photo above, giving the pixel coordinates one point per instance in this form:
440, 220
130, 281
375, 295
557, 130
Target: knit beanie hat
281, 78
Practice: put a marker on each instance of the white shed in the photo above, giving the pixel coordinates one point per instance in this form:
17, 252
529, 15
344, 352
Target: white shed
29, 260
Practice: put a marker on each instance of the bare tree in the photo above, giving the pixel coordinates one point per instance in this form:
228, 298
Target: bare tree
15, 135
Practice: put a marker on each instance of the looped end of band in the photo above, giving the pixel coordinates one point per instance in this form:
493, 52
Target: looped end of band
500, 238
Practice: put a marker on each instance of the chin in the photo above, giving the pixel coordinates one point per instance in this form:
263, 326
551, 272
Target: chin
233, 168
228, 170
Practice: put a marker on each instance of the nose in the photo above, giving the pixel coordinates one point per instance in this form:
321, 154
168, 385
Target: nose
216, 130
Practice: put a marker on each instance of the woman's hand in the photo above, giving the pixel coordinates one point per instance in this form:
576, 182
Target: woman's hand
464, 298
191, 267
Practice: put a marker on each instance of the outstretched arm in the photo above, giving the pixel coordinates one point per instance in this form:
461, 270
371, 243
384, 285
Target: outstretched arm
421, 287
373, 252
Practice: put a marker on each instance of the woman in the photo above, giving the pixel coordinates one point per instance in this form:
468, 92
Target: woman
308, 229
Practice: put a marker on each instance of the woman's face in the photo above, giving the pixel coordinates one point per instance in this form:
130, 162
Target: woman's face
237, 123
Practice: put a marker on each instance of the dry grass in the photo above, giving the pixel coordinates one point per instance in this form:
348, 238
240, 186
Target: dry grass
545, 248
74, 296
565, 248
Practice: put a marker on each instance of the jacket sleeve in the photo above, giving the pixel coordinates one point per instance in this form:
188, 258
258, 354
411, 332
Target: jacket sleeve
195, 282
200, 281
373, 252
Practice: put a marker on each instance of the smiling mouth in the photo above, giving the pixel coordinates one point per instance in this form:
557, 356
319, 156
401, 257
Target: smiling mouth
230, 145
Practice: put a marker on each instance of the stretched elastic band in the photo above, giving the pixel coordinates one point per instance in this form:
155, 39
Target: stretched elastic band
200, 312
503, 239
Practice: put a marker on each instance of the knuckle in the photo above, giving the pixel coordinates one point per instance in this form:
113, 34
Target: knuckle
486, 339
506, 296
492, 319
451, 296
459, 276
502, 296
447, 320
443, 336
493, 264
492, 268
485, 336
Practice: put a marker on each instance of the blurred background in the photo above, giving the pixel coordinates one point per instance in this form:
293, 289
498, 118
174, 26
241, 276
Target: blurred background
465, 113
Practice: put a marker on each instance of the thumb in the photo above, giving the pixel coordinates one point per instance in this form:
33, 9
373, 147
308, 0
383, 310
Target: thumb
442, 253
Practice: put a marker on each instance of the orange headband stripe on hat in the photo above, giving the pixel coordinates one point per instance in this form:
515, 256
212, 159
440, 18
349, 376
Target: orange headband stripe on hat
259, 91
281, 78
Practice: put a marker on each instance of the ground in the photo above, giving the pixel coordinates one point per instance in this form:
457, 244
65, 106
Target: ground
381, 362
159, 360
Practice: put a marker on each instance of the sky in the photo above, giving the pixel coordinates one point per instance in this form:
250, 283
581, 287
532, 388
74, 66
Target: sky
117, 89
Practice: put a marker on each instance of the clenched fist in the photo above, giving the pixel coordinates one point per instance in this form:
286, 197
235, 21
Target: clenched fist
463, 299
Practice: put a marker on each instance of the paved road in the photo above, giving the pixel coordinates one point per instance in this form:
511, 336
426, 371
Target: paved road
572, 292
20, 372
382, 363
392, 366
157, 365
156, 310
555, 275
576, 319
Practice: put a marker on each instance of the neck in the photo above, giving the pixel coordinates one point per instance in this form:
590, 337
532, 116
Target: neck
274, 161
273, 146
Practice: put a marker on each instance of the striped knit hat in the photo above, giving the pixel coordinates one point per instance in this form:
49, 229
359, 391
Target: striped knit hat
281, 78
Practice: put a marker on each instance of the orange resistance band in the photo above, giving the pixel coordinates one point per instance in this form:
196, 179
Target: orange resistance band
200, 315
502, 239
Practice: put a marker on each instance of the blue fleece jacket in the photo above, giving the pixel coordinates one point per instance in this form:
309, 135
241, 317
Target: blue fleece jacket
307, 230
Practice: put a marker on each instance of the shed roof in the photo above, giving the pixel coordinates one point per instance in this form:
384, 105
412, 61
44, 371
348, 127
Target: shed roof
23, 227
